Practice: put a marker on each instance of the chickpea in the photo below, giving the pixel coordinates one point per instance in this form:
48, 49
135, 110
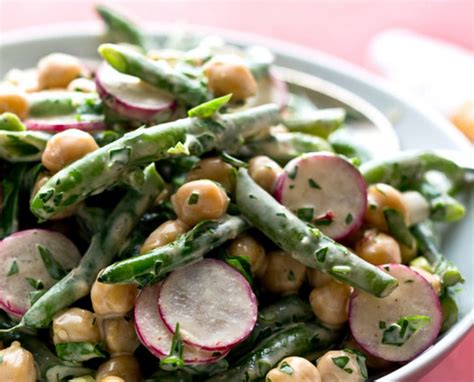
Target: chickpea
463, 118
13, 100
381, 196
378, 248
57, 70
294, 369
265, 172
317, 279
67, 147
75, 325
214, 169
112, 378
82, 85
408, 253
330, 303
340, 366
284, 275
120, 336
433, 279
66, 212
199, 200
113, 299
18, 364
166, 233
247, 246
121, 366
229, 74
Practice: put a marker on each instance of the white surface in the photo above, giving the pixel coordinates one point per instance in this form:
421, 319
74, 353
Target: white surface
418, 126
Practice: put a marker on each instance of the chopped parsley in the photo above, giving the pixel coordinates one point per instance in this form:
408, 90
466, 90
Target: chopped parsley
312, 183
193, 199
398, 333
286, 368
321, 254
382, 325
291, 275
305, 214
36, 284
341, 363
293, 173
13, 269
55, 269
349, 218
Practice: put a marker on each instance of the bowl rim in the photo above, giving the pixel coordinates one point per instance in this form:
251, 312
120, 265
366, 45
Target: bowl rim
90, 29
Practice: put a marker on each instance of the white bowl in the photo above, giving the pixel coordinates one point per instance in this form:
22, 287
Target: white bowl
417, 125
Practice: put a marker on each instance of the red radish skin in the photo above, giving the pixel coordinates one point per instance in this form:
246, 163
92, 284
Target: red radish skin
413, 296
131, 98
213, 303
154, 334
58, 124
331, 186
21, 247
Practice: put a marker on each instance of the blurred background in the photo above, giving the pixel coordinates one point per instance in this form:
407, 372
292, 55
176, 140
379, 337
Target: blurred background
423, 46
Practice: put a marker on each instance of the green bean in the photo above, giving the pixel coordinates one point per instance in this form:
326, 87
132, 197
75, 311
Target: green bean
106, 166
11, 122
282, 147
302, 339
22, 146
48, 104
121, 29
190, 247
405, 170
319, 122
429, 247
190, 92
306, 244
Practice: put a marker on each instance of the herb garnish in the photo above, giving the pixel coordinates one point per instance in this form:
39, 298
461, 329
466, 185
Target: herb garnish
398, 333
13, 269
193, 199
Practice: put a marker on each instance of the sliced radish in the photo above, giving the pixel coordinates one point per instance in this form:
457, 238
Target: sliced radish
154, 334
212, 302
400, 326
325, 190
271, 89
132, 98
60, 123
26, 267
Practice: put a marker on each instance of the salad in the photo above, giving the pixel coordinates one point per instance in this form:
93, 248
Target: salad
174, 213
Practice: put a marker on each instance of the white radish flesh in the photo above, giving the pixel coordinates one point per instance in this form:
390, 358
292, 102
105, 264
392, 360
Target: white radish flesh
132, 98
21, 264
154, 334
325, 190
212, 302
370, 317
418, 207
271, 89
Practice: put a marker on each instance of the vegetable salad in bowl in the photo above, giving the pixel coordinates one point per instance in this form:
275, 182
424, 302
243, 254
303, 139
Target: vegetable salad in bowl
175, 213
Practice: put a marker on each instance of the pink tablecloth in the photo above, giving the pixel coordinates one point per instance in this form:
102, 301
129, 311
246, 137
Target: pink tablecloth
339, 27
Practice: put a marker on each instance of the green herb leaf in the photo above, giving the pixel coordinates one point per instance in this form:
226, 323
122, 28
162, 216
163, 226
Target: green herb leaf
341, 361
242, 264
293, 173
361, 358
313, 184
178, 149
193, 198
79, 351
13, 269
227, 158
291, 275
208, 109
398, 333
175, 358
382, 325
286, 368
305, 214
321, 254
55, 269
36, 284
349, 219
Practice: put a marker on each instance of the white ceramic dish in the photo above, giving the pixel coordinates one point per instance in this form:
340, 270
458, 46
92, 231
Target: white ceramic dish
417, 125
